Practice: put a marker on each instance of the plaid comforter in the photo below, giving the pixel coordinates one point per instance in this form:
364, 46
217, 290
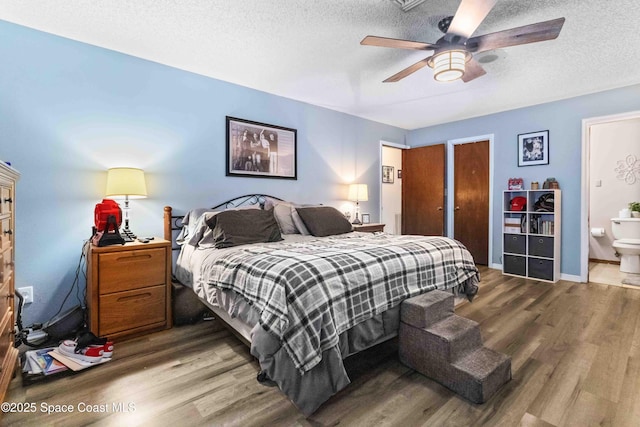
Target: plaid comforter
308, 293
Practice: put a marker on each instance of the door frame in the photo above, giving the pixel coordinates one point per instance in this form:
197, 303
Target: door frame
585, 199
449, 191
388, 144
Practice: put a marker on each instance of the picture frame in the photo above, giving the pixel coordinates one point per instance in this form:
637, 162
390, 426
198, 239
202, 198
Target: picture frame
260, 150
366, 218
533, 148
399, 173
387, 174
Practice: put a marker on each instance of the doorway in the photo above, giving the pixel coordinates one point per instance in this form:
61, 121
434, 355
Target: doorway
603, 194
391, 190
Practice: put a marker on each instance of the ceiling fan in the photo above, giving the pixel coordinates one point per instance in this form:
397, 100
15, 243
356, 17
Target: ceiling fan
452, 57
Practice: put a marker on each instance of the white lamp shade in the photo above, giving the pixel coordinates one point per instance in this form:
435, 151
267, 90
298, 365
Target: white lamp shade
122, 182
449, 66
358, 192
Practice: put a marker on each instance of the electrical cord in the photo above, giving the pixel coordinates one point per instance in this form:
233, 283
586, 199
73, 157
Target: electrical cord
21, 336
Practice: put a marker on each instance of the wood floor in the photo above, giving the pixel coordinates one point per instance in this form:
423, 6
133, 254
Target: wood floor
575, 350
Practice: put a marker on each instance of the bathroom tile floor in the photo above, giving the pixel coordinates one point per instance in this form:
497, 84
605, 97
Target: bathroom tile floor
608, 274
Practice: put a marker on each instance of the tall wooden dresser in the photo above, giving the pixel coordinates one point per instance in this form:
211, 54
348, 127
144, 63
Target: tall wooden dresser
8, 353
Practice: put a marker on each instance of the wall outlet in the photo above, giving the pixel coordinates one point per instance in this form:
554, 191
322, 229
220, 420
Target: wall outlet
27, 294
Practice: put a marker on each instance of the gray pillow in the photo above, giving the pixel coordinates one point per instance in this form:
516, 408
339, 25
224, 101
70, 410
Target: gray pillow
324, 221
241, 227
282, 213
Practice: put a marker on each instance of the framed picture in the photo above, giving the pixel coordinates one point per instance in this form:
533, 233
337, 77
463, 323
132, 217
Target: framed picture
366, 218
259, 150
533, 148
399, 173
387, 174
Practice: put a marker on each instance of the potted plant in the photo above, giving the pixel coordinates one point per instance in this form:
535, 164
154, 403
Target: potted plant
634, 207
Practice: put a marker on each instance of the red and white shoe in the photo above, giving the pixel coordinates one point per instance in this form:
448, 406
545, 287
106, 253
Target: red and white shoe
92, 353
108, 349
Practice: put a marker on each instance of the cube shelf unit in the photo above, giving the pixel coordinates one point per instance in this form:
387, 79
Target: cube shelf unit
531, 240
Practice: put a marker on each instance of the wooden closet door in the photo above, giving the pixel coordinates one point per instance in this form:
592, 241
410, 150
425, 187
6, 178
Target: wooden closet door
471, 198
423, 171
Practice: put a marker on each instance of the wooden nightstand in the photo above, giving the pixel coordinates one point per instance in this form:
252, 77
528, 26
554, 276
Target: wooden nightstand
369, 228
129, 288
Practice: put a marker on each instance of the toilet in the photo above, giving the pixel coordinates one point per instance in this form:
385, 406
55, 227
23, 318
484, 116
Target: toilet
626, 231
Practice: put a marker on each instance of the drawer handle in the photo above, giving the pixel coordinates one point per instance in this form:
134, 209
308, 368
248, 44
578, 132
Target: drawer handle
133, 258
540, 241
133, 297
8, 200
515, 238
9, 232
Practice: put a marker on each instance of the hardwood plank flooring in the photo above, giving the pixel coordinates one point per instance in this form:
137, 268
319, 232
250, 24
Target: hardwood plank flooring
575, 361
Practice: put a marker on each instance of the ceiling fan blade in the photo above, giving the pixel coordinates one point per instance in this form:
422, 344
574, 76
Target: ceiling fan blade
468, 17
547, 30
472, 70
397, 43
409, 70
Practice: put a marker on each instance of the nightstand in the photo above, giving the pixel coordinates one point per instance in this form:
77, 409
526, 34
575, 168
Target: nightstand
369, 228
129, 288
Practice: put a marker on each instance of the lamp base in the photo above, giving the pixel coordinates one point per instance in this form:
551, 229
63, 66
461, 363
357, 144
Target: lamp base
357, 220
127, 235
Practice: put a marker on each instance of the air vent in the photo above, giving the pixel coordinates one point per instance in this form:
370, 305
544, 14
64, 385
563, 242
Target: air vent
407, 5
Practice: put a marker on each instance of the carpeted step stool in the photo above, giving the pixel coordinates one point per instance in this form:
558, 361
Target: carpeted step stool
448, 348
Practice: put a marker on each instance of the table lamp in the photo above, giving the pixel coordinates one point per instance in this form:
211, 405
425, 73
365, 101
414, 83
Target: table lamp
127, 183
358, 193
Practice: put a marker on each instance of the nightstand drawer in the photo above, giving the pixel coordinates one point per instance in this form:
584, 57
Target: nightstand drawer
126, 270
132, 309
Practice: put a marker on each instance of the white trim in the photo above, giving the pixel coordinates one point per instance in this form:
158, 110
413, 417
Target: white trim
496, 266
394, 145
584, 196
450, 184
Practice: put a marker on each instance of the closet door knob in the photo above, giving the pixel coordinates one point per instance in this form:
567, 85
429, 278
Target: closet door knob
439, 208
457, 208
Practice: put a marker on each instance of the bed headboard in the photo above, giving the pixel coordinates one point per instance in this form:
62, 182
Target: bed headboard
173, 222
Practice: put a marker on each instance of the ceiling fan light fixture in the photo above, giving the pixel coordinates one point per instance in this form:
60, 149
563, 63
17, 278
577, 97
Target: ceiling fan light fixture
449, 65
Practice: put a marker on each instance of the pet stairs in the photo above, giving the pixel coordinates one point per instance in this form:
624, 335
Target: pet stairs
448, 348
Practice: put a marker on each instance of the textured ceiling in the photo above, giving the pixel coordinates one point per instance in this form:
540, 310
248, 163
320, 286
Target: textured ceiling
310, 51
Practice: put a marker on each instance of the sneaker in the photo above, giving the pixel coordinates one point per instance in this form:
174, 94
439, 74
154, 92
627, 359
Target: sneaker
108, 349
92, 353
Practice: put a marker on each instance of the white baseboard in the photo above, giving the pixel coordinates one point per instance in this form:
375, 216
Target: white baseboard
496, 266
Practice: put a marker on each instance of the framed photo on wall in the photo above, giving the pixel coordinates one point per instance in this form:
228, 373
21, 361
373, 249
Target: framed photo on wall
387, 174
533, 148
260, 150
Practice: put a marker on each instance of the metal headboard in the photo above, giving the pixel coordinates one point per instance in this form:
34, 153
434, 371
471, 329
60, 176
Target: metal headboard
173, 223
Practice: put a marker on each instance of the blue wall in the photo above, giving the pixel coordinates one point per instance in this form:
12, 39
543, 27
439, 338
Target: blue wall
69, 111
563, 119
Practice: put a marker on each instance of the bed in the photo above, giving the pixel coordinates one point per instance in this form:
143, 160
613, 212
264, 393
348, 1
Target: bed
304, 291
